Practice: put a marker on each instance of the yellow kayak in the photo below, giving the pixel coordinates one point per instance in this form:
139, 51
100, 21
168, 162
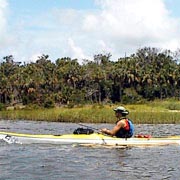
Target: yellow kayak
91, 139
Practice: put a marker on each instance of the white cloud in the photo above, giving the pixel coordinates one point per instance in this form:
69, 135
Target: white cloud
3, 14
131, 23
75, 51
91, 23
116, 26
34, 57
3, 7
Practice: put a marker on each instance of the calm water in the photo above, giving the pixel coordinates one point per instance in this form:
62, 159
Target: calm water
68, 162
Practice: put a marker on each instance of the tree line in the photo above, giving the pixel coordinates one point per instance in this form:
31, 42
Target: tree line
148, 74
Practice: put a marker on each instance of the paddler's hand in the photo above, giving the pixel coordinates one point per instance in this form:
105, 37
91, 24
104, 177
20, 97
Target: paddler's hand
104, 130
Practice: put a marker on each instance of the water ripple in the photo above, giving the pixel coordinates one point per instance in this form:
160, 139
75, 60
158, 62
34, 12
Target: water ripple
68, 162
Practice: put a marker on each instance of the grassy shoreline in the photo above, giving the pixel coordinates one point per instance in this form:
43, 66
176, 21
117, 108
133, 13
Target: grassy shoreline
158, 112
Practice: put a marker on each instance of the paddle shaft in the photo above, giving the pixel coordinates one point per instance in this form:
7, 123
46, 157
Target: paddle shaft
88, 126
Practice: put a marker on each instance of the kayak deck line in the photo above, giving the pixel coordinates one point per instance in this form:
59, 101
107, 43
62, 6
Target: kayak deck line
91, 139
58, 136
84, 136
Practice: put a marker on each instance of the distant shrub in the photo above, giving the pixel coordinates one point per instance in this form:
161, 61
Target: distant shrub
49, 103
173, 106
2, 107
32, 107
70, 105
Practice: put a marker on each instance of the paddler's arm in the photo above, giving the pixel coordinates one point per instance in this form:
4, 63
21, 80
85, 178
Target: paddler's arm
116, 128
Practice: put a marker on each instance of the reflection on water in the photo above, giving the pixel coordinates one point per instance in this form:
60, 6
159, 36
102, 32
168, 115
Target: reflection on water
78, 162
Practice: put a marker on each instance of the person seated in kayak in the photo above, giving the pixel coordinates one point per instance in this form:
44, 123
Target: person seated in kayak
124, 127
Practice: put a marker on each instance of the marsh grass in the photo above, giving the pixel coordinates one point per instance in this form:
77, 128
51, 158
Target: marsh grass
166, 112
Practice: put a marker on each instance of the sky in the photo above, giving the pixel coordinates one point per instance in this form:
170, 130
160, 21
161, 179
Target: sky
83, 28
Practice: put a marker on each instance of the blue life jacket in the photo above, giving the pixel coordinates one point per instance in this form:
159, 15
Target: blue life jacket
123, 133
131, 128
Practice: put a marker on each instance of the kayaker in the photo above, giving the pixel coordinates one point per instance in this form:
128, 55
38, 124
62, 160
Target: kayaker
124, 127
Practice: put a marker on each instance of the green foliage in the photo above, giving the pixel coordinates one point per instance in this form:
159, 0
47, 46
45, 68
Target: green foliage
151, 113
2, 107
32, 107
70, 105
131, 96
49, 103
174, 106
146, 75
